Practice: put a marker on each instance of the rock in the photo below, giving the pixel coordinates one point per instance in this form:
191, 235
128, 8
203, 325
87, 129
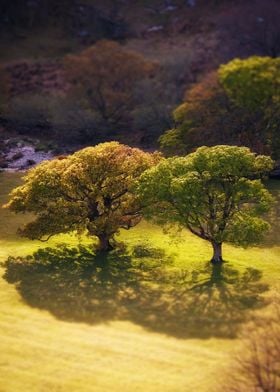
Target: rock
25, 156
154, 29
18, 155
169, 8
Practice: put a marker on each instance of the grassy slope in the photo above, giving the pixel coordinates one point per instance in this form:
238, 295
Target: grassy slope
41, 351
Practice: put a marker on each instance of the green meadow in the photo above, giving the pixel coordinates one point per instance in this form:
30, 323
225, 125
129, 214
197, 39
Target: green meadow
152, 316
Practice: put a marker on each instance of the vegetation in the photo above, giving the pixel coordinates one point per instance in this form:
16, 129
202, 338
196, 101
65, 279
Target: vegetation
30, 114
4, 88
106, 75
82, 19
89, 191
171, 302
238, 105
257, 27
212, 193
253, 84
80, 72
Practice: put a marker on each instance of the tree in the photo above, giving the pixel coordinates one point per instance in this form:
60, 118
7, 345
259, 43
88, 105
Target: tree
214, 192
253, 83
106, 74
238, 104
89, 191
205, 117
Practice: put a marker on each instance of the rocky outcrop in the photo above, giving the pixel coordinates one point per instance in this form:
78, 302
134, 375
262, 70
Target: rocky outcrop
22, 156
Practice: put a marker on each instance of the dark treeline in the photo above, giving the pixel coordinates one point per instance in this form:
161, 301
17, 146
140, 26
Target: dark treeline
80, 18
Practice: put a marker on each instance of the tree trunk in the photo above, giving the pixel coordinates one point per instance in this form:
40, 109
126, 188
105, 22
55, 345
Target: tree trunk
104, 243
217, 253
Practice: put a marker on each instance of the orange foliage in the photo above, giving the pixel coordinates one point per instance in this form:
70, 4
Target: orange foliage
204, 90
209, 117
106, 75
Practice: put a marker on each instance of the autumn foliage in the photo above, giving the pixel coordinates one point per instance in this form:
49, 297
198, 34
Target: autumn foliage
105, 75
238, 104
87, 192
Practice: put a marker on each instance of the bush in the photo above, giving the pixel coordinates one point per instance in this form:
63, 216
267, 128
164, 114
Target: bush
29, 114
152, 119
61, 118
156, 98
73, 123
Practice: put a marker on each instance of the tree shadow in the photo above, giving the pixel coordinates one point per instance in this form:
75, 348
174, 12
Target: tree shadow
143, 287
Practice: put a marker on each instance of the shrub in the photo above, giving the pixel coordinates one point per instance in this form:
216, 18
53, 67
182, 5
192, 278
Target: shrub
29, 114
105, 76
72, 122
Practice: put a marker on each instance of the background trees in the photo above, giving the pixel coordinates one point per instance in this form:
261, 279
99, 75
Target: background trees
237, 105
212, 193
254, 85
89, 191
106, 75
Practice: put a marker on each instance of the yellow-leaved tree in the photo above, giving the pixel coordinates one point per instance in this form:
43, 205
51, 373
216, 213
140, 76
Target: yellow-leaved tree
88, 192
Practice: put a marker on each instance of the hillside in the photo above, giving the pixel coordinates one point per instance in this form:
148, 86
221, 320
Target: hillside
154, 28
187, 39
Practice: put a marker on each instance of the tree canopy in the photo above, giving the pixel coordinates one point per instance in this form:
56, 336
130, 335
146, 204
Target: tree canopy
238, 104
106, 74
214, 192
253, 83
88, 192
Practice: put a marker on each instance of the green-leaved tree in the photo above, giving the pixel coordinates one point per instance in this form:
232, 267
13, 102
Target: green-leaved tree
238, 104
88, 192
215, 192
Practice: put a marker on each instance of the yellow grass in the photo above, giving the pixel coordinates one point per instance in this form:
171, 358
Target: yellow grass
62, 331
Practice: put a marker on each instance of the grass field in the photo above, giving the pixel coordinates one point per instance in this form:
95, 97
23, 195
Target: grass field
153, 317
